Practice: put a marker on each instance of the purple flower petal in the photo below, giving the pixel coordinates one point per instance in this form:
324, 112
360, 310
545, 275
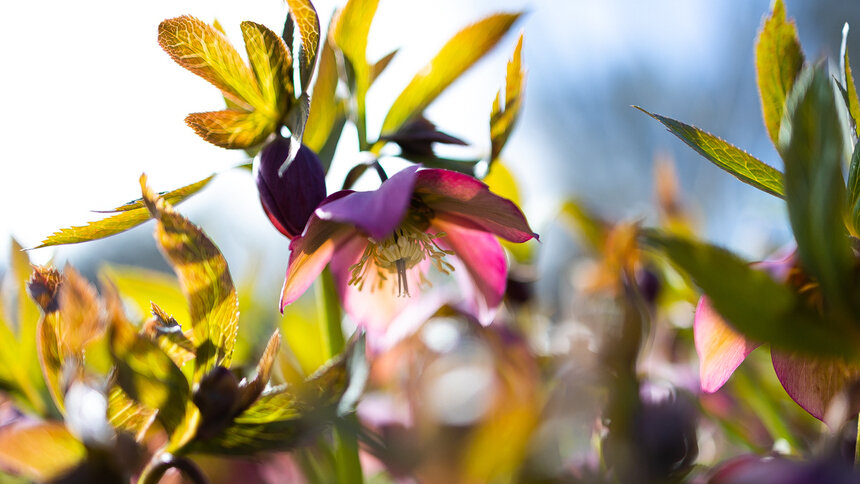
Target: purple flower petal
458, 197
377, 212
813, 382
720, 348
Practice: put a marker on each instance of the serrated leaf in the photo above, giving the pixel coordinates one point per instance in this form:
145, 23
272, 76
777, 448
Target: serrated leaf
127, 415
39, 450
455, 57
810, 143
305, 17
144, 372
205, 51
752, 302
167, 333
131, 215
778, 61
232, 129
324, 106
272, 65
205, 281
504, 117
737, 162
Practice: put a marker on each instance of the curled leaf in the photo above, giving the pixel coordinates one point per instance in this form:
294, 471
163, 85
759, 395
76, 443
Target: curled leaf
305, 17
504, 116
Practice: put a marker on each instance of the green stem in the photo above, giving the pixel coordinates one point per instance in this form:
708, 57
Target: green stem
345, 442
857, 445
161, 462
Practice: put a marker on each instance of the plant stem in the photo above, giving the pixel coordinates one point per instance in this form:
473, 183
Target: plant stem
345, 442
857, 445
161, 462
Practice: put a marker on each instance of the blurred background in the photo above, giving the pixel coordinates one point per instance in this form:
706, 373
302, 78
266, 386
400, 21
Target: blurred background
91, 101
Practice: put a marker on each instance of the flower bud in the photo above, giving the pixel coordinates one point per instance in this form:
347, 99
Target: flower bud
289, 198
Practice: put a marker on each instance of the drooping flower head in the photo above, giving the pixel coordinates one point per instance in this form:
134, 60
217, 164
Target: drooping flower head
380, 243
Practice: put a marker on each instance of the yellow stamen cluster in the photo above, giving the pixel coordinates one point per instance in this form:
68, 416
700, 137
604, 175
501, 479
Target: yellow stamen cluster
401, 251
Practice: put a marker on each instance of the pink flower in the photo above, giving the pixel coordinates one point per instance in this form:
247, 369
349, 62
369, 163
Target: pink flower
381, 243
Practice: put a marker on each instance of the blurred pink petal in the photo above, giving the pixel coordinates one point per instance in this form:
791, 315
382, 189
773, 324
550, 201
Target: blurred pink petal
720, 348
309, 255
468, 201
812, 382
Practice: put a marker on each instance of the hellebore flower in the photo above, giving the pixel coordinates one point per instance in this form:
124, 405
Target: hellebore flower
380, 243
289, 198
811, 382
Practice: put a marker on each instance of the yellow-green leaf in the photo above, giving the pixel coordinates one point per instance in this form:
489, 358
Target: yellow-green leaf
455, 57
39, 450
44, 286
80, 314
131, 215
205, 51
140, 287
737, 162
305, 17
232, 129
205, 281
351, 26
851, 93
272, 65
502, 182
127, 415
379, 66
778, 60
324, 106
504, 117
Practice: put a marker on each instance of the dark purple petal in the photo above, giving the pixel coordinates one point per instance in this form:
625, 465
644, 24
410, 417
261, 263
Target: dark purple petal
289, 199
417, 137
377, 212
456, 197
813, 382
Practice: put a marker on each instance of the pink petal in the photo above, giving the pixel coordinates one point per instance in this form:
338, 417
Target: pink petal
484, 260
376, 212
813, 382
720, 348
376, 305
309, 255
452, 193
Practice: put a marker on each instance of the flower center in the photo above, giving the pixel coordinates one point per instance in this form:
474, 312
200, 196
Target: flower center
402, 250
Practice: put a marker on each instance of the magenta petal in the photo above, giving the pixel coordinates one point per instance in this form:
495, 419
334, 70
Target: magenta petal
720, 348
465, 197
813, 382
484, 259
377, 212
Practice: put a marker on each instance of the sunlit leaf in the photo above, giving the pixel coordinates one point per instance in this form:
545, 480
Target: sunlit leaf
455, 57
39, 450
851, 97
854, 190
205, 51
270, 59
379, 66
139, 287
504, 116
80, 318
44, 286
752, 302
165, 331
324, 106
232, 129
502, 182
778, 60
131, 215
349, 33
737, 162
127, 415
305, 17
256, 385
205, 281
810, 143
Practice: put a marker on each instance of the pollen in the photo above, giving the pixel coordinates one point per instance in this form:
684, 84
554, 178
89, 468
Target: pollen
408, 246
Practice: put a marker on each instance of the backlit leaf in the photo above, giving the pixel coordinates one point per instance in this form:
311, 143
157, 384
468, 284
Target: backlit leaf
131, 215
324, 105
504, 116
270, 59
232, 129
80, 314
139, 287
851, 97
455, 57
39, 450
44, 287
205, 281
778, 60
854, 190
810, 143
752, 302
379, 66
127, 415
205, 51
349, 33
256, 385
737, 162
306, 20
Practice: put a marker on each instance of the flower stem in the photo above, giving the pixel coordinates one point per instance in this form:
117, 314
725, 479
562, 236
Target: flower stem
857, 445
345, 442
161, 462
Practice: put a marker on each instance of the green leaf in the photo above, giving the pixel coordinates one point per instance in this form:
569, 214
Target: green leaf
205, 51
324, 108
139, 287
39, 450
737, 162
851, 98
752, 302
504, 116
232, 129
127, 415
854, 190
810, 143
455, 57
144, 372
131, 215
205, 281
305, 17
778, 60
351, 26
270, 59
379, 66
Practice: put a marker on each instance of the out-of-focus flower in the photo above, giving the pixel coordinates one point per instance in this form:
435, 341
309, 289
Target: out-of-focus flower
380, 243
289, 197
750, 469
